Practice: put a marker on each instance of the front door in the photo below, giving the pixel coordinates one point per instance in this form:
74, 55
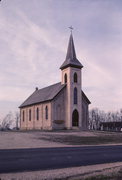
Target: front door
75, 118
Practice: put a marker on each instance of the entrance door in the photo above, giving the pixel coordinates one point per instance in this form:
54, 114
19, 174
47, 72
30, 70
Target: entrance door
75, 118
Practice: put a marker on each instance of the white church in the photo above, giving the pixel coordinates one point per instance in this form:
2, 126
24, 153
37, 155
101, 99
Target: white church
59, 106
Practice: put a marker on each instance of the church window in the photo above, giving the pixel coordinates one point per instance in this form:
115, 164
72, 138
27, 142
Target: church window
46, 112
29, 114
58, 112
75, 78
37, 114
23, 116
65, 78
75, 95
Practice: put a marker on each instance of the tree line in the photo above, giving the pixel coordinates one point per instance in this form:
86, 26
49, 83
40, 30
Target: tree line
96, 117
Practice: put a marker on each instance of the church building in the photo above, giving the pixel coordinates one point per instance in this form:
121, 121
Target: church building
59, 106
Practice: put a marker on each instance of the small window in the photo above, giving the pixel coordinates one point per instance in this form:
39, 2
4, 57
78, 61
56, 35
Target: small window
23, 116
75, 95
75, 78
29, 114
37, 114
58, 113
46, 112
65, 78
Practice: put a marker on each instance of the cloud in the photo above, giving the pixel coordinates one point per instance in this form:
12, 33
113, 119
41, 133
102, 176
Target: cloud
33, 44
26, 50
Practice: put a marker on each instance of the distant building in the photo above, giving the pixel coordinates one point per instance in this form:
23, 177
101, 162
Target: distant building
111, 126
62, 105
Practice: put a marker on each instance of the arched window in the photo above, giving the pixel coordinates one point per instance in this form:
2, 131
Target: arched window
37, 114
75, 95
65, 78
46, 112
75, 78
23, 116
29, 114
58, 112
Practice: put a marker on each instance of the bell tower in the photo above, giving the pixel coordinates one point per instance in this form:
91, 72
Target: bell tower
71, 76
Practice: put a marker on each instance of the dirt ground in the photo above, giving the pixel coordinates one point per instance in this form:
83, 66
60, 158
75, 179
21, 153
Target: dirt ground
38, 139
15, 140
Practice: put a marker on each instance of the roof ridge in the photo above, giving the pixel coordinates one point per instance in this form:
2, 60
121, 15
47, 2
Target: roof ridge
49, 86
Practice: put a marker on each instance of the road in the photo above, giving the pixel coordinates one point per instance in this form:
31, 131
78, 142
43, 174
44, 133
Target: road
18, 160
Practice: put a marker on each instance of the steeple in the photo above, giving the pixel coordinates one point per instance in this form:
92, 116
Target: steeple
71, 59
71, 49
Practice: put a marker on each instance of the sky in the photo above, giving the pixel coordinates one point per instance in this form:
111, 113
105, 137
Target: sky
34, 37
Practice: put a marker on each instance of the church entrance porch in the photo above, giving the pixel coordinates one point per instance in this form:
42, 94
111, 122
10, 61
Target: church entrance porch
75, 118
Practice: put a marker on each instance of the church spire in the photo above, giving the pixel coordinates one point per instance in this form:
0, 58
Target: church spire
71, 49
71, 59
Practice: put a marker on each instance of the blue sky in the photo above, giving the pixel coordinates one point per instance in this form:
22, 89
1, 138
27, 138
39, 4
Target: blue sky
34, 36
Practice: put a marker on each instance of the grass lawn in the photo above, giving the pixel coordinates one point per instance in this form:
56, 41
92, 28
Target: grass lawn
98, 138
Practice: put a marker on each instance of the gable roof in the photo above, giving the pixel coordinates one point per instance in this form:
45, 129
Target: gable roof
47, 94
42, 95
85, 97
71, 59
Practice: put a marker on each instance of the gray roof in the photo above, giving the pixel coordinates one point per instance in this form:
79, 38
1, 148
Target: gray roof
71, 59
85, 97
42, 95
46, 94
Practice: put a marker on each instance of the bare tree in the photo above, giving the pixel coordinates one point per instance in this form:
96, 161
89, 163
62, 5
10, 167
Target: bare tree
7, 121
120, 114
17, 119
97, 116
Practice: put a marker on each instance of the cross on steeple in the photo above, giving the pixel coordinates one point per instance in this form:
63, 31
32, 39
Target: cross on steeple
71, 28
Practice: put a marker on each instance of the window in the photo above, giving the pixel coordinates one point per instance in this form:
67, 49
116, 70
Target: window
37, 114
46, 112
75, 78
29, 114
58, 113
23, 116
65, 78
75, 95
